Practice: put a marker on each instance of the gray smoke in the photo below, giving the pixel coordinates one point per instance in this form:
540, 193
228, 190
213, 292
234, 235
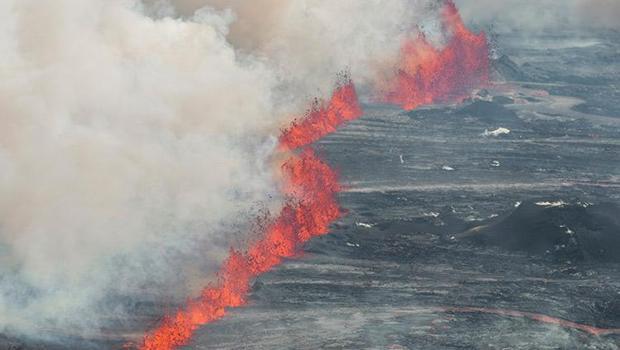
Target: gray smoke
537, 15
307, 42
136, 138
132, 150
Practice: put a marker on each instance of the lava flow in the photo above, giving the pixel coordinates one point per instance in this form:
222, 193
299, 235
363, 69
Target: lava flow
311, 186
323, 119
426, 74
536, 317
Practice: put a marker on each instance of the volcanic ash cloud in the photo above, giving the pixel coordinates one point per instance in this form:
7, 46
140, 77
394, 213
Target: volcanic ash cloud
137, 138
132, 152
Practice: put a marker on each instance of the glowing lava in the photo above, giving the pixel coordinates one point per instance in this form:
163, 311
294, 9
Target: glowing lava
311, 186
323, 119
426, 74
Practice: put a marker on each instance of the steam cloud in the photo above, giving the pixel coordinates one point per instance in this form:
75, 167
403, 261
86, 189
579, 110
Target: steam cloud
536, 15
127, 145
136, 137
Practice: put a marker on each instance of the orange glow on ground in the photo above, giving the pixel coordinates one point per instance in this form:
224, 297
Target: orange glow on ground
426, 75
536, 317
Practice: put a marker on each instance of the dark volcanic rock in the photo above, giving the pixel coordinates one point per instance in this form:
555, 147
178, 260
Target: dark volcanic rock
503, 100
444, 223
505, 69
574, 232
487, 111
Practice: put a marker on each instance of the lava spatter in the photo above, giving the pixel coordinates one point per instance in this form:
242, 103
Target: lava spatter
426, 74
311, 186
323, 118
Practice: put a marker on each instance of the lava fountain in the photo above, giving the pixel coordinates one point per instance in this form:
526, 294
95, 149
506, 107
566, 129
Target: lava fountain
323, 118
310, 186
426, 74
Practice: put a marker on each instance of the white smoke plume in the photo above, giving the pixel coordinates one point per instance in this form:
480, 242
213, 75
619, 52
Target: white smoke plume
136, 137
127, 146
537, 15
308, 42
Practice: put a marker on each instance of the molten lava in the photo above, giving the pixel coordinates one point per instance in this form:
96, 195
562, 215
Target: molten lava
311, 186
323, 119
426, 74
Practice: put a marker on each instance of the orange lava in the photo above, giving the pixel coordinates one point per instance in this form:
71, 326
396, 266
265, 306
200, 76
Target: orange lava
536, 317
311, 186
426, 74
323, 119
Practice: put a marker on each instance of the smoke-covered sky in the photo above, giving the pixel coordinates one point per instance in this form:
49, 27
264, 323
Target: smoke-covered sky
536, 15
137, 138
318, 36
128, 148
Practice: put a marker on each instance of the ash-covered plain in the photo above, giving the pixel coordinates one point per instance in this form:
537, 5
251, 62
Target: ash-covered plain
492, 224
